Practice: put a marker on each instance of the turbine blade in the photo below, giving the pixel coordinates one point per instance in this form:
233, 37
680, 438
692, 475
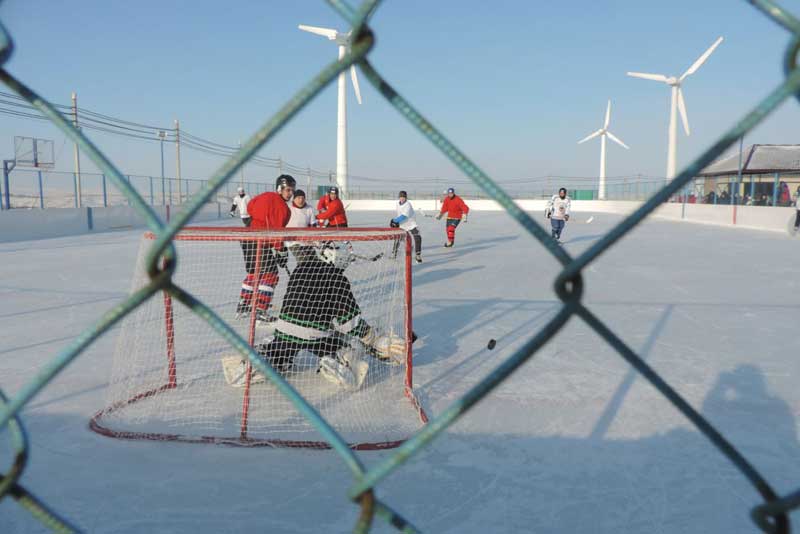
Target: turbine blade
608, 115
354, 77
702, 59
654, 77
682, 109
620, 143
591, 136
325, 32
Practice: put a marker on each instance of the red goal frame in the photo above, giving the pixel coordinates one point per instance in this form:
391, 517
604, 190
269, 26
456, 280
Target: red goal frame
262, 238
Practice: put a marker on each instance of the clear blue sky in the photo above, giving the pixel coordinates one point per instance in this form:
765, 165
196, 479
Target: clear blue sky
515, 83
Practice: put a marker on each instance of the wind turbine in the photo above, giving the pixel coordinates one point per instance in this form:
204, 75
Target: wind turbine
677, 100
603, 133
343, 40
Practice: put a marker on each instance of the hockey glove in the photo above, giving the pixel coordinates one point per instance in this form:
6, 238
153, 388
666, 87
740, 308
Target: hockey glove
394, 224
464, 218
438, 217
566, 217
387, 348
232, 214
547, 214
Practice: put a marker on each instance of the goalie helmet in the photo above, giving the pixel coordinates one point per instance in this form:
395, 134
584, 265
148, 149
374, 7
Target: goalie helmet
283, 180
336, 254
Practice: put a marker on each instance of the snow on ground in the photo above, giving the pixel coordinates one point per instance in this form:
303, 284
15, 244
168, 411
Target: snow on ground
572, 442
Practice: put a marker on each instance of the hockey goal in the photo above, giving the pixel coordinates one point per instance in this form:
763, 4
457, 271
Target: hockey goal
174, 378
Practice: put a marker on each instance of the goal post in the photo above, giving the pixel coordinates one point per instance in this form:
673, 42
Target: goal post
343, 294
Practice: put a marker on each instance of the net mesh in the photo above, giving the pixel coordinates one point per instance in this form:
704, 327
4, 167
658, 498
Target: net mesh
175, 378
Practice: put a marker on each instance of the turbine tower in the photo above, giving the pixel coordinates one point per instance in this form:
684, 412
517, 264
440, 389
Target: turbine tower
677, 101
603, 133
343, 40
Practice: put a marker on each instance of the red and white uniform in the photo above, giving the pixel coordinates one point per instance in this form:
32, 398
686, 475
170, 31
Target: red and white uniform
456, 210
331, 211
268, 212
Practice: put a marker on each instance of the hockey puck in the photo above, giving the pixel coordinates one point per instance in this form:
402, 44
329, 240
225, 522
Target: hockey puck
491, 344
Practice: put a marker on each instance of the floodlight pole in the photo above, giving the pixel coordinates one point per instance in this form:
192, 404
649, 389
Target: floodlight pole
77, 152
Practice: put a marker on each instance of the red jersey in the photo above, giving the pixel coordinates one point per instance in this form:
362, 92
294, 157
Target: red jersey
333, 211
269, 211
454, 207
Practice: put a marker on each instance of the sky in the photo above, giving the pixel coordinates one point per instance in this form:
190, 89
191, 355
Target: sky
515, 84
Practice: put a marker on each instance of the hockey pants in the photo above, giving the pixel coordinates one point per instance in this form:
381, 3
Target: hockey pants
264, 284
557, 227
797, 220
450, 228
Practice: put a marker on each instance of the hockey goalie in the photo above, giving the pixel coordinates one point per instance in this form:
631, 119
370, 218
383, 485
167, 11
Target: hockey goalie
320, 314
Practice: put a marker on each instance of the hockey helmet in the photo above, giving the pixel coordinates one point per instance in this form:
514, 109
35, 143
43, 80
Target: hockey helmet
336, 254
285, 180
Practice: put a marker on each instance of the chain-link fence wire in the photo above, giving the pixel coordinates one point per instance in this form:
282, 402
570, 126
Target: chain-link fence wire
770, 516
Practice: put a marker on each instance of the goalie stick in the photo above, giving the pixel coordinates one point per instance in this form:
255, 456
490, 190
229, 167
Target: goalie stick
376, 257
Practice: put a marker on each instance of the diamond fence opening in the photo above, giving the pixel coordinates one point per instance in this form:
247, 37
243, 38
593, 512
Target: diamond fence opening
160, 262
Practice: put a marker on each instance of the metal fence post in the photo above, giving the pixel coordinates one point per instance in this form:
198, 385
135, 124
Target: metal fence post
75, 187
152, 200
41, 191
105, 192
775, 191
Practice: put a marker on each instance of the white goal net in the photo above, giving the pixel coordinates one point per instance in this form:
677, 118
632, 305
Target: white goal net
328, 309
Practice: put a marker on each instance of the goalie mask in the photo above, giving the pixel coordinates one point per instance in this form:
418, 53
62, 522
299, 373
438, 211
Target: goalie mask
336, 254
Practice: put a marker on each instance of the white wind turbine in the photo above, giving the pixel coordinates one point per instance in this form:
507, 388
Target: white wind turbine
343, 40
677, 100
603, 133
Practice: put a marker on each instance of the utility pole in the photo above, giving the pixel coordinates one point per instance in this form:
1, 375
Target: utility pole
77, 152
178, 158
161, 135
241, 169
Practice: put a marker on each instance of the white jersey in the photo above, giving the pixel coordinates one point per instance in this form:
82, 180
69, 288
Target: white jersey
408, 210
559, 207
301, 217
240, 203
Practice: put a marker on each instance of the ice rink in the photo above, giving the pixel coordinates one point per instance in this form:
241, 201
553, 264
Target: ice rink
574, 441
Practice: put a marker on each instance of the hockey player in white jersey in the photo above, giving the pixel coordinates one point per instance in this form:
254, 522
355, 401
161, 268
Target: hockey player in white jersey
239, 207
404, 218
302, 217
558, 213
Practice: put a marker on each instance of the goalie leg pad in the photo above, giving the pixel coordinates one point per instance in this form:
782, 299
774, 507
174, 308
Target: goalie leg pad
234, 368
347, 370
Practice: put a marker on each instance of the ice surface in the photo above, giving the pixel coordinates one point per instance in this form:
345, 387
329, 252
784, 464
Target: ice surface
572, 442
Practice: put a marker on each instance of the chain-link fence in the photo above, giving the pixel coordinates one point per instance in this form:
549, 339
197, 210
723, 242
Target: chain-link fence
770, 515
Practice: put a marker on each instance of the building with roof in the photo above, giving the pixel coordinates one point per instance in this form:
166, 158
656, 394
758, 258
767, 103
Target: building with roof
770, 176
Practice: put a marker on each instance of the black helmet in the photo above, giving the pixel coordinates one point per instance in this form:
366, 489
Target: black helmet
300, 193
564, 189
284, 180
402, 194
333, 189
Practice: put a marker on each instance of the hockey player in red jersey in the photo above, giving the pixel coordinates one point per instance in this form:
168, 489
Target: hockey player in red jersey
456, 211
331, 210
268, 211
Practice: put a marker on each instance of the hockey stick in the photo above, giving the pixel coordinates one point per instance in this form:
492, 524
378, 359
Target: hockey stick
376, 257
